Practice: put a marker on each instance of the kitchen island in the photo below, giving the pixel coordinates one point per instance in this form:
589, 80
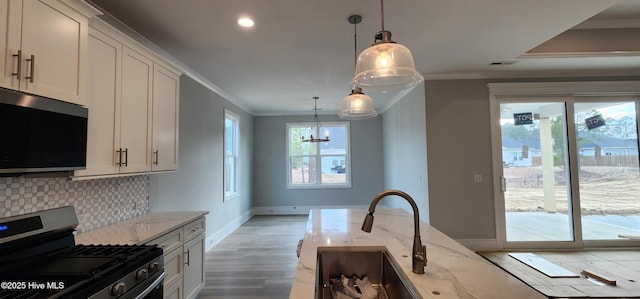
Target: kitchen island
452, 271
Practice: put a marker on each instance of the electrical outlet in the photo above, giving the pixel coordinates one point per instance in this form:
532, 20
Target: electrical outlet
139, 204
477, 178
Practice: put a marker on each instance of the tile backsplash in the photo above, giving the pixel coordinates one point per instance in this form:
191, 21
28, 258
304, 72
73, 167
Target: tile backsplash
97, 202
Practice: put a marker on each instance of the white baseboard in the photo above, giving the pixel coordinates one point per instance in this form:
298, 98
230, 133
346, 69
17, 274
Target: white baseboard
479, 244
297, 210
219, 235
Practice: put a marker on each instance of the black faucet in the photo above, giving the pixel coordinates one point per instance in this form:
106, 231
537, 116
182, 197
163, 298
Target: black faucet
419, 253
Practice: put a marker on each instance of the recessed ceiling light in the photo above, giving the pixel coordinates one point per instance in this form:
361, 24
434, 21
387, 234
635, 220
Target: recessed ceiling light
245, 22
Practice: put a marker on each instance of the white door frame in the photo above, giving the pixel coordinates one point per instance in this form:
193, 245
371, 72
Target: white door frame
539, 92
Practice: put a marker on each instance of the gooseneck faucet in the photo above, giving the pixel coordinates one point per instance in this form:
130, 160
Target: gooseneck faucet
419, 253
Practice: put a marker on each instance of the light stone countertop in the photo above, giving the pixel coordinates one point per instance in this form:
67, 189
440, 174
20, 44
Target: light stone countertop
453, 271
139, 230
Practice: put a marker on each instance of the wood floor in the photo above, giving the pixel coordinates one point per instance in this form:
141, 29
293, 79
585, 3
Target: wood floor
619, 265
258, 260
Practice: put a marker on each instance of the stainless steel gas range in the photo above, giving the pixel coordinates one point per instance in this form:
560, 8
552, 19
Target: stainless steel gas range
39, 259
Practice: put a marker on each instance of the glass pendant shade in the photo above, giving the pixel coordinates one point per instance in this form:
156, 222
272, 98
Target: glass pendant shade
386, 67
357, 106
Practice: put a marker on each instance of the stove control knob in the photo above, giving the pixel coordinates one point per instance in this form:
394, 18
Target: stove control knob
154, 267
118, 289
142, 274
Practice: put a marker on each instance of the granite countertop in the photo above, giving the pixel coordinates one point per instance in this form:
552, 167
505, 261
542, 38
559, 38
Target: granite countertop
453, 271
139, 230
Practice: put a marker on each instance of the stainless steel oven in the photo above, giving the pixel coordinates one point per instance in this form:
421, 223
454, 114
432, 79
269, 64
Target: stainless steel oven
39, 259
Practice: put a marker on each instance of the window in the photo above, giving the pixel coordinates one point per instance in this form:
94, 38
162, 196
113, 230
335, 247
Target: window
231, 163
318, 165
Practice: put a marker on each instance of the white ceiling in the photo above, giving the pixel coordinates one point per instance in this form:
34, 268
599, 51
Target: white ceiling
300, 49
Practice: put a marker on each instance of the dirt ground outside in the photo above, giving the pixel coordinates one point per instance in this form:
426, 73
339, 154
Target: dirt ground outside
300, 177
604, 190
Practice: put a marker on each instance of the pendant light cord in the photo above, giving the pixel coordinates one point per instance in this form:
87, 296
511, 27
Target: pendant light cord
355, 44
382, 13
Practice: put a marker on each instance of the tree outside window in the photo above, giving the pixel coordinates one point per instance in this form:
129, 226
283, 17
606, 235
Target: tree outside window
318, 165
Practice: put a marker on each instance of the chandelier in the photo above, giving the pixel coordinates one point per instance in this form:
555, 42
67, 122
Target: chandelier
316, 127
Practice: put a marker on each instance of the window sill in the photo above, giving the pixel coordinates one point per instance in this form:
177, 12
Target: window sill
228, 197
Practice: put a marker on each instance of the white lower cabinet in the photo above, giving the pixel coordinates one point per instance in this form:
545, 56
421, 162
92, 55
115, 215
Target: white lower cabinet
173, 291
183, 260
193, 267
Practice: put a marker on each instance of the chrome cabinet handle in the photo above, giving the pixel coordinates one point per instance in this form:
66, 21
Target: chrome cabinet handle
18, 72
157, 154
31, 68
119, 152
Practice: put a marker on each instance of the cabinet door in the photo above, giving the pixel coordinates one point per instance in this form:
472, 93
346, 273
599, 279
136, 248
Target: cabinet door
165, 119
193, 279
4, 60
103, 134
10, 34
173, 291
173, 266
135, 120
54, 47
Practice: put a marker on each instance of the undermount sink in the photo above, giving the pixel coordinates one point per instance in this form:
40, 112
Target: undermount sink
377, 264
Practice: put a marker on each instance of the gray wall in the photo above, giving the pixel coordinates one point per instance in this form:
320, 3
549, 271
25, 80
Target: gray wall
459, 139
459, 146
197, 185
270, 186
405, 151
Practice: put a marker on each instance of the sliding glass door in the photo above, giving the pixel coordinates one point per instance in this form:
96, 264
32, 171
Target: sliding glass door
608, 172
568, 171
535, 167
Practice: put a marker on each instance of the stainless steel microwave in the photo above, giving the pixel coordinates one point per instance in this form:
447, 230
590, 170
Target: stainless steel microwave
41, 134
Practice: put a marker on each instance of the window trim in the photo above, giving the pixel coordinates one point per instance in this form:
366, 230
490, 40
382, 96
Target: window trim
228, 114
347, 155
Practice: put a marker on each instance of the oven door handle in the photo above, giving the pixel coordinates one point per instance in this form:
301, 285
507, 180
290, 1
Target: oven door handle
152, 286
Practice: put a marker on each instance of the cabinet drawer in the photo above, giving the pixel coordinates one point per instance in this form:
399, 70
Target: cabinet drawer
173, 266
173, 291
171, 241
193, 229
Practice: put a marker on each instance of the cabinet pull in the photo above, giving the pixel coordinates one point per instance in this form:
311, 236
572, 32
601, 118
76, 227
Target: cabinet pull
157, 157
18, 72
187, 258
126, 157
31, 68
119, 153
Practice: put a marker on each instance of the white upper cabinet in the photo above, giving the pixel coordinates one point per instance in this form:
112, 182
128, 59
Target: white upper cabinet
4, 15
103, 101
133, 107
46, 49
135, 140
165, 119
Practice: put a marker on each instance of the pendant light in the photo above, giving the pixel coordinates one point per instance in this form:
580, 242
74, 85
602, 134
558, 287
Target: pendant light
316, 127
356, 105
386, 66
